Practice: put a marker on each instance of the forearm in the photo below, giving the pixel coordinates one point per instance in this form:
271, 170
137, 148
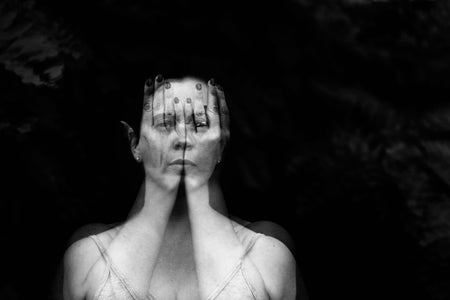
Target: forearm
217, 248
135, 248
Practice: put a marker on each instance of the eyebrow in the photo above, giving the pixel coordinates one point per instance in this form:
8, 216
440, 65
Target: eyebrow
160, 117
157, 116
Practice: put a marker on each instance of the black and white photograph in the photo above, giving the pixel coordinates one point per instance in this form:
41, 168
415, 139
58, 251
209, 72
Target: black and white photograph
225, 150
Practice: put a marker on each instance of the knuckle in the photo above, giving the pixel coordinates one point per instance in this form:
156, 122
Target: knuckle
200, 116
189, 119
147, 106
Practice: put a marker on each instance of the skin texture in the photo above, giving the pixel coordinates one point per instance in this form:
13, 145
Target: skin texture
179, 241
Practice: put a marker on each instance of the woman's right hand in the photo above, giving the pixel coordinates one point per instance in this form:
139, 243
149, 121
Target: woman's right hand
151, 148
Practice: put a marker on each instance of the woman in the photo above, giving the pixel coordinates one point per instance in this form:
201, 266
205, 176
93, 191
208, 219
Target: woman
178, 241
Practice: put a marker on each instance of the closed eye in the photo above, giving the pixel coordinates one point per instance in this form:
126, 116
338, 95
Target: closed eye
170, 123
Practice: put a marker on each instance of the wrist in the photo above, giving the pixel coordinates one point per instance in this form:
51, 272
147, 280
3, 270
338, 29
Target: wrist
167, 184
195, 185
156, 197
198, 194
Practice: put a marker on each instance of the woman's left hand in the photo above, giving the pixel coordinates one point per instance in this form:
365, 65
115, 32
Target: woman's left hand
208, 131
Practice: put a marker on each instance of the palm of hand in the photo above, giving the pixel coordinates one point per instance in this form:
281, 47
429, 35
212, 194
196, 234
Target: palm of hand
209, 140
188, 130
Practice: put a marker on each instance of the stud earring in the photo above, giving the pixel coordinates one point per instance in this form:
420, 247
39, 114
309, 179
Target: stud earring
138, 158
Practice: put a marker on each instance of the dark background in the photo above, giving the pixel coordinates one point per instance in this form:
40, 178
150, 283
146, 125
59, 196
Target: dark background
340, 126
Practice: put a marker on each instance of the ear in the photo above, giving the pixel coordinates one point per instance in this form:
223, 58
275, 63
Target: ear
132, 140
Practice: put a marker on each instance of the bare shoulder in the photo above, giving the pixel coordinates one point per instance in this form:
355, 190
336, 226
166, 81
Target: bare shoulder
275, 231
273, 256
80, 260
83, 249
272, 247
277, 267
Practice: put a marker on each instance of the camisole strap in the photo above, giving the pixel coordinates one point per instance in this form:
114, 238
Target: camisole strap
252, 242
102, 250
237, 227
236, 269
100, 246
111, 268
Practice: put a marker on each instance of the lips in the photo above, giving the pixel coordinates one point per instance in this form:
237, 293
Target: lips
182, 162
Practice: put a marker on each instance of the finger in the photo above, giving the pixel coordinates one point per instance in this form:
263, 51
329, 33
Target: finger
158, 102
224, 113
159, 80
169, 111
200, 119
148, 88
212, 109
199, 104
189, 114
147, 114
179, 114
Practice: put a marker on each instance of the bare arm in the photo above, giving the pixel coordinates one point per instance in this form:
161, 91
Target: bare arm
134, 249
217, 248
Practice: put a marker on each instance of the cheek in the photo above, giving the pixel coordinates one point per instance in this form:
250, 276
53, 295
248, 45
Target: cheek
204, 151
154, 147
192, 138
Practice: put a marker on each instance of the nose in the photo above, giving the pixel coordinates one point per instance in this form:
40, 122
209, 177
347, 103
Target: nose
183, 128
182, 140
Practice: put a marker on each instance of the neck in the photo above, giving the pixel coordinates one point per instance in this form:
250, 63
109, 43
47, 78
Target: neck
179, 216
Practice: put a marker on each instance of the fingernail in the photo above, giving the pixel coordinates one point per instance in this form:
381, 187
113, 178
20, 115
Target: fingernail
167, 85
212, 82
198, 86
159, 78
176, 100
149, 82
188, 100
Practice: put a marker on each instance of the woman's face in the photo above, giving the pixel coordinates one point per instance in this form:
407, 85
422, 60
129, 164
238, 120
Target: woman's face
174, 126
